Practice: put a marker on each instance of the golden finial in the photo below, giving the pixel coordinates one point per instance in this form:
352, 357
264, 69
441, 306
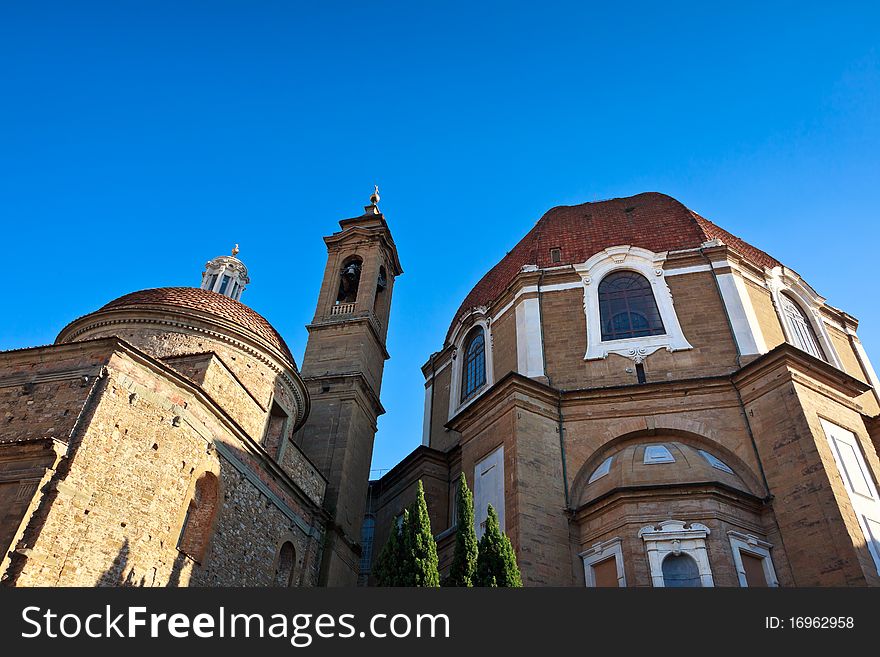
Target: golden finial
374, 197
235, 251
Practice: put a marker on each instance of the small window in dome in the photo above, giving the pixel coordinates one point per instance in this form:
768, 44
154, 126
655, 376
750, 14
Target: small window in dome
556, 255
715, 462
601, 471
658, 454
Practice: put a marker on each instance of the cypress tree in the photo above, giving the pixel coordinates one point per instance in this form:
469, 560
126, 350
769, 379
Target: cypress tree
390, 565
496, 560
464, 562
421, 567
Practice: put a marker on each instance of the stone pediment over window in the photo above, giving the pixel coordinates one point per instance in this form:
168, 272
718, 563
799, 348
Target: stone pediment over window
628, 305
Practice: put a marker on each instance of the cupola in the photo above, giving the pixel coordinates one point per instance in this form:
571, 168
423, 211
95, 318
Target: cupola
226, 275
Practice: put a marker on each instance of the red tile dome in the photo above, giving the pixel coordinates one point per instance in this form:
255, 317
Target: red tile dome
212, 303
649, 220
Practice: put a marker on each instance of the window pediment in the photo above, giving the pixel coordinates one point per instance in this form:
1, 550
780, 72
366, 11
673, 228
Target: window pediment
642, 303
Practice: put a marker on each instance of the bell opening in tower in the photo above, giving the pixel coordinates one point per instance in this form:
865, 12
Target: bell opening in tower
349, 280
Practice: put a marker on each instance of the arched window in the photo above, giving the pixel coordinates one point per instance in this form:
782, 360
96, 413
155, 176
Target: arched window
349, 281
681, 571
627, 308
799, 327
284, 567
196, 531
473, 370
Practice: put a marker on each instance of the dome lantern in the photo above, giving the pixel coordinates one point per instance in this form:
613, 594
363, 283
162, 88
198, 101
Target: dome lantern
225, 275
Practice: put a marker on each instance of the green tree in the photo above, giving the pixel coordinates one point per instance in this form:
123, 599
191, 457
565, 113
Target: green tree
464, 562
388, 568
496, 560
420, 567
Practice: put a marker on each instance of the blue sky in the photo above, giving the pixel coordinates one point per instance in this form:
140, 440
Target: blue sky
140, 139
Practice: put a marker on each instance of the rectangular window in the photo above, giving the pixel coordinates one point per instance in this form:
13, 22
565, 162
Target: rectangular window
223, 285
489, 489
751, 556
603, 565
276, 427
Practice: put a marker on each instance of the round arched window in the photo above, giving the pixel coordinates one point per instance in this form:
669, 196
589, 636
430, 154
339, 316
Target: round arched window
627, 308
473, 371
802, 334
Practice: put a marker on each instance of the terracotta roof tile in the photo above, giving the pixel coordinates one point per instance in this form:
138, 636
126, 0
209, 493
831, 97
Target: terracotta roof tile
650, 220
206, 301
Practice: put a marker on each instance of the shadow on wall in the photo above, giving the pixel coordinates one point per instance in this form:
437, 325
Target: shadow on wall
119, 574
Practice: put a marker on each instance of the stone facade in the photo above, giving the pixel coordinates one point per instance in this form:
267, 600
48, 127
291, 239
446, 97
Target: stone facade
342, 366
153, 444
737, 409
112, 508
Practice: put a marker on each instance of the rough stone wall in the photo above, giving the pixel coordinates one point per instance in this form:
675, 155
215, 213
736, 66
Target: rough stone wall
24, 468
853, 367
815, 406
115, 511
344, 347
40, 401
212, 376
247, 535
301, 470
810, 504
538, 499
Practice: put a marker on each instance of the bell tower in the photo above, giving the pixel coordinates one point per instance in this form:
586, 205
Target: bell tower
342, 368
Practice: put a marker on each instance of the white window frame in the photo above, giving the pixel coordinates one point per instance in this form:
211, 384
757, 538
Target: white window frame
461, 334
739, 543
677, 537
648, 264
781, 280
661, 452
865, 508
484, 497
715, 462
601, 470
600, 552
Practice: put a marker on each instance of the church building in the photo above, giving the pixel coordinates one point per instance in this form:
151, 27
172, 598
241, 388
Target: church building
169, 439
644, 398
648, 400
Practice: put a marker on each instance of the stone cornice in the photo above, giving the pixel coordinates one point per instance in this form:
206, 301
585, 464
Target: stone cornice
360, 381
494, 401
411, 467
371, 227
786, 363
342, 320
616, 496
